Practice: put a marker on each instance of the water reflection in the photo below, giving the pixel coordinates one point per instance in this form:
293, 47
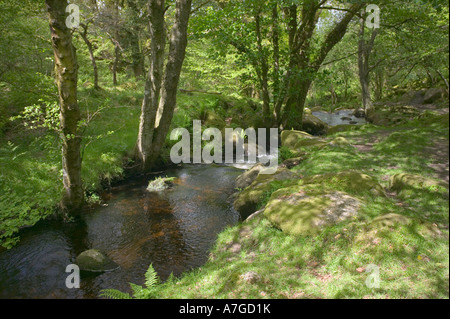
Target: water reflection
173, 230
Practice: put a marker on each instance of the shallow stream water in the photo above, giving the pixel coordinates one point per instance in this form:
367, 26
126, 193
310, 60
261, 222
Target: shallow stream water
174, 230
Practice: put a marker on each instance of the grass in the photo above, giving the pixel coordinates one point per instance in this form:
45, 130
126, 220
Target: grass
412, 258
31, 175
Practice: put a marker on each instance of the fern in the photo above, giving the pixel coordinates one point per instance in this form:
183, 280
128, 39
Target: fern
151, 277
139, 292
114, 294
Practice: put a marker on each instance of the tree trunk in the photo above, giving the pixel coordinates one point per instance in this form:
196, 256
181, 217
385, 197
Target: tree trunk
161, 87
91, 54
364, 50
66, 69
305, 70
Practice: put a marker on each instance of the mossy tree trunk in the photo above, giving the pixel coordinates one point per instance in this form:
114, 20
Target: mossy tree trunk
66, 72
364, 50
303, 64
161, 86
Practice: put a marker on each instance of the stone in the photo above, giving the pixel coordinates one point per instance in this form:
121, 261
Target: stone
248, 201
359, 113
246, 178
432, 95
391, 220
250, 277
298, 213
404, 181
292, 162
93, 260
313, 125
307, 111
341, 128
290, 137
159, 184
339, 141
351, 181
315, 142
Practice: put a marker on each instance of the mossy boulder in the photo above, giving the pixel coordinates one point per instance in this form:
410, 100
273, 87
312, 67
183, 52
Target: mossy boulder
246, 178
349, 181
307, 111
159, 184
432, 95
341, 128
296, 212
250, 199
314, 142
290, 138
405, 181
391, 220
292, 162
313, 125
93, 260
340, 141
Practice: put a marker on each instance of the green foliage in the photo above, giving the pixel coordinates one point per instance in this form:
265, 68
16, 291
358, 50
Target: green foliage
139, 292
285, 153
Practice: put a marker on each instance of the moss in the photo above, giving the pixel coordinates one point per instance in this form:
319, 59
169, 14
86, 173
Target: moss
340, 141
298, 213
290, 138
95, 261
251, 198
160, 184
310, 143
350, 181
342, 128
404, 181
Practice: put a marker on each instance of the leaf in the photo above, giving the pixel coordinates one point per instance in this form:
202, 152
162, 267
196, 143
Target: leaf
151, 277
114, 294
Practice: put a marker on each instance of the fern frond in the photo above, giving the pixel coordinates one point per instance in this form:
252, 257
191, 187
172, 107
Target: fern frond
114, 294
137, 290
151, 277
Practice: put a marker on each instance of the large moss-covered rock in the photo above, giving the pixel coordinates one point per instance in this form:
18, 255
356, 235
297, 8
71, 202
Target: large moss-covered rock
315, 142
391, 220
314, 125
339, 141
432, 95
351, 181
246, 178
248, 201
289, 138
342, 128
296, 212
404, 181
93, 260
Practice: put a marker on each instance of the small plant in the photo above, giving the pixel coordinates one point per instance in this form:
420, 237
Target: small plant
160, 184
285, 153
139, 292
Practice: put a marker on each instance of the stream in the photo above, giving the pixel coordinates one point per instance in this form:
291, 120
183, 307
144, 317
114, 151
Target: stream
173, 230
